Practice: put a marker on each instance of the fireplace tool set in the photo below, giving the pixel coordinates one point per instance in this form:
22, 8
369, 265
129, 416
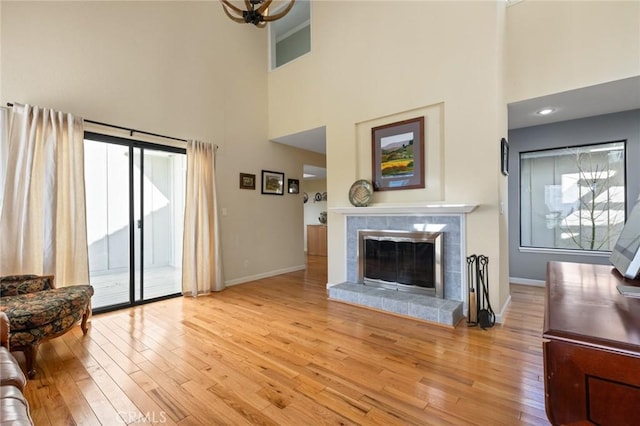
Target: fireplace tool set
479, 311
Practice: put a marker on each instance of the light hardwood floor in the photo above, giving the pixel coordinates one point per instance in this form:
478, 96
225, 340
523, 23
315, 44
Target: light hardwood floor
112, 288
277, 352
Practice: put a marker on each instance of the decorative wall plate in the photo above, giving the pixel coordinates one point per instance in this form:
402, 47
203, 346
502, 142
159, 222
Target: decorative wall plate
360, 193
318, 196
324, 196
306, 197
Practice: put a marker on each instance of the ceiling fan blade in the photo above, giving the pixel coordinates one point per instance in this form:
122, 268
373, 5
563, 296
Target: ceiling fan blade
280, 14
233, 18
264, 6
228, 4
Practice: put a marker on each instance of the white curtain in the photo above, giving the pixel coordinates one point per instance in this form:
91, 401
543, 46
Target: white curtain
42, 219
201, 259
4, 148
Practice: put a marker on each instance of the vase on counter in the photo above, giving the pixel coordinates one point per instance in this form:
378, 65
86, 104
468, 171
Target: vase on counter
323, 218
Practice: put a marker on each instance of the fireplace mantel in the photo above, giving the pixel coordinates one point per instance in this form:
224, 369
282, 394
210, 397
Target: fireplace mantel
400, 209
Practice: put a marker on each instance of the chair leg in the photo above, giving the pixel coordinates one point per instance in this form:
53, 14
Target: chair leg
85, 318
30, 353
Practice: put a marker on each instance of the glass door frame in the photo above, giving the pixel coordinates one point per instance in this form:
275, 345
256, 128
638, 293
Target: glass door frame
134, 227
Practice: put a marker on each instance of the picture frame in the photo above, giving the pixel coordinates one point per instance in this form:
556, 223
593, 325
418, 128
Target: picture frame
504, 157
272, 182
397, 154
293, 186
247, 181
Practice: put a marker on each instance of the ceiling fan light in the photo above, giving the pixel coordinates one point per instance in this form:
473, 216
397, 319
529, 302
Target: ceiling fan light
546, 111
257, 12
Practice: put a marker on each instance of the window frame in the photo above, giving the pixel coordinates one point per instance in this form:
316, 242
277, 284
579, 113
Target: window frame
272, 63
561, 250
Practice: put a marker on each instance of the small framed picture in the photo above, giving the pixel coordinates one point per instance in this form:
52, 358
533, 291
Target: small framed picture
247, 181
272, 182
293, 186
504, 156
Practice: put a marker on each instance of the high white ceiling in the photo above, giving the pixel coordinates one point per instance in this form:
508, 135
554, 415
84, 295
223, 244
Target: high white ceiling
313, 172
311, 140
615, 96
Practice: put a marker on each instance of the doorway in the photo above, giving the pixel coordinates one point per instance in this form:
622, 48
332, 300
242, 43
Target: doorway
135, 209
314, 187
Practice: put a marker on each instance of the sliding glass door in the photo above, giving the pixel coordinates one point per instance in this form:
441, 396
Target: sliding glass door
161, 218
135, 209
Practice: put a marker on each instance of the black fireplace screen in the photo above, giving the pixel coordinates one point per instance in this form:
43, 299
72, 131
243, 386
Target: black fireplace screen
408, 263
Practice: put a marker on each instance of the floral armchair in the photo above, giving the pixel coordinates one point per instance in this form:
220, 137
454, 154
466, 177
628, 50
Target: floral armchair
38, 311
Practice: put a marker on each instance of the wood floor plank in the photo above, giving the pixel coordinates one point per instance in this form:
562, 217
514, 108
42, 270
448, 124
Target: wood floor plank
146, 403
100, 405
198, 411
105, 384
277, 352
217, 412
304, 415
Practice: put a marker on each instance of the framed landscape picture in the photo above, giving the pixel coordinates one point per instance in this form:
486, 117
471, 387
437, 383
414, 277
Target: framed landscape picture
398, 155
272, 182
247, 181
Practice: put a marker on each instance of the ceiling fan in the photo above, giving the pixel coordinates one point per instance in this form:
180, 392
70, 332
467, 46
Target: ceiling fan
257, 12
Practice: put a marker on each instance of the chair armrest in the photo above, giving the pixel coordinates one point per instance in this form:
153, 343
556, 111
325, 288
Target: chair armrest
22, 284
4, 330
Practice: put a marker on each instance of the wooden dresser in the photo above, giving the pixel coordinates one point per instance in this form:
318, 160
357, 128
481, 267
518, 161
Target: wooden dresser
592, 347
317, 240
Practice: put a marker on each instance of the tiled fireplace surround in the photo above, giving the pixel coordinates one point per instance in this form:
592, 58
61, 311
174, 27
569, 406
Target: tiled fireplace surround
447, 311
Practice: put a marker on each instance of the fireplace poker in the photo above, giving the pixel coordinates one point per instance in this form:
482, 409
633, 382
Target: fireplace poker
472, 310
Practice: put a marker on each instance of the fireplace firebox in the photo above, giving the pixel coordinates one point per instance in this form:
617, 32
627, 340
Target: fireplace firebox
408, 261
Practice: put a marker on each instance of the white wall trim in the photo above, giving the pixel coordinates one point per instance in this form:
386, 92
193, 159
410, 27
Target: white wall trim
500, 316
512, 2
526, 281
568, 252
264, 275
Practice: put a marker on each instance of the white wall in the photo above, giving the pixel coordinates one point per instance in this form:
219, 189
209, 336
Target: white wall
181, 69
418, 56
555, 46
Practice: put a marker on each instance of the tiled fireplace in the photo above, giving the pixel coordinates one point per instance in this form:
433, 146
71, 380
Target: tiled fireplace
451, 223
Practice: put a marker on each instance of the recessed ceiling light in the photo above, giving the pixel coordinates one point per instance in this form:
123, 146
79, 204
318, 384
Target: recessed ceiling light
546, 111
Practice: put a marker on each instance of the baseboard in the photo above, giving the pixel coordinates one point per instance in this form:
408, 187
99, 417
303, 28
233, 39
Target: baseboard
526, 281
249, 278
503, 310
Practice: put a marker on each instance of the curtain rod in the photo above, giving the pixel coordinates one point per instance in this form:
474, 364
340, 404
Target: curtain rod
131, 131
